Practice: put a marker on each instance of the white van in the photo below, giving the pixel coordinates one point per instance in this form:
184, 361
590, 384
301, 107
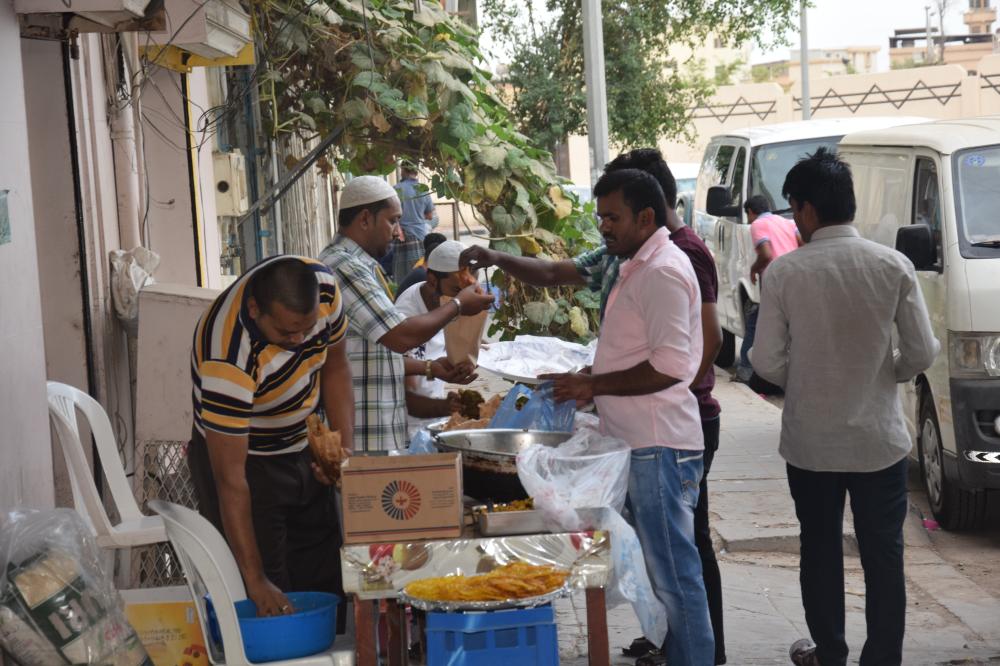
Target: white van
741, 164
932, 191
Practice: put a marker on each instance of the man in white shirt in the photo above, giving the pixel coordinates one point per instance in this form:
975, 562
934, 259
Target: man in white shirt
825, 334
426, 397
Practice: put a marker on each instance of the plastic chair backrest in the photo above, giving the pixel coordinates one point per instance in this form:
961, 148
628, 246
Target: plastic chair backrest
64, 401
209, 564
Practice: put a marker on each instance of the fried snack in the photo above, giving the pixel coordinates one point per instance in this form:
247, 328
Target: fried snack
471, 400
488, 409
516, 505
512, 581
325, 446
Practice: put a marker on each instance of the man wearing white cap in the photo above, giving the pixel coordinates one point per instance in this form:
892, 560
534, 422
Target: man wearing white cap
445, 277
378, 332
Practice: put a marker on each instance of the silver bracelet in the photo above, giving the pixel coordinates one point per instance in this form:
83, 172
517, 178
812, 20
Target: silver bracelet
458, 304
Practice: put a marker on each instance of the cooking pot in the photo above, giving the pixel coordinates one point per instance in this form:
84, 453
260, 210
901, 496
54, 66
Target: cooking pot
489, 458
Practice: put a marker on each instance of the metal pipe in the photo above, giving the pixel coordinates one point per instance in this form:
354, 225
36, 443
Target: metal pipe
597, 98
804, 60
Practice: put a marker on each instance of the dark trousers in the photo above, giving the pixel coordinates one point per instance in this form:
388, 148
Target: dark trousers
703, 540
294, 517
878, 502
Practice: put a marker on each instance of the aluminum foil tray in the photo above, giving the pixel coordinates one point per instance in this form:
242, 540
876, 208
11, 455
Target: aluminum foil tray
502, 523
449, 606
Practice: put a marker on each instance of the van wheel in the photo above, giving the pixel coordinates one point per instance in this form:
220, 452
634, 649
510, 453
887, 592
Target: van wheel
727, 353
953, 508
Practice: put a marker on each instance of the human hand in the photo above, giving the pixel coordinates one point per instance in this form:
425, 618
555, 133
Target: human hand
577, 386
268, 598
453, 373
473, 300
327, 477
753, 276
478, 256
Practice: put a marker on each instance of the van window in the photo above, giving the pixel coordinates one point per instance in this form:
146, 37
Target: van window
769, 164
927, 202
977, 193
736, 181
714, 170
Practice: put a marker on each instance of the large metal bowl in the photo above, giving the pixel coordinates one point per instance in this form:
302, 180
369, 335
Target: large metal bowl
489, 458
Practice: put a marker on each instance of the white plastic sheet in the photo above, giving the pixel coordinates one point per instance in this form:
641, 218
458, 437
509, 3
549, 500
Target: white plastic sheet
528, 356
130, 272
580, 485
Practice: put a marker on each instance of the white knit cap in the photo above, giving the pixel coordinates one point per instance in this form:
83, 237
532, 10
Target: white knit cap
444, 258
363, 190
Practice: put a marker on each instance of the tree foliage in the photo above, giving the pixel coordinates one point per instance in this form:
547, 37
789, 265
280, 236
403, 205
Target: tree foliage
650, 92
407, 84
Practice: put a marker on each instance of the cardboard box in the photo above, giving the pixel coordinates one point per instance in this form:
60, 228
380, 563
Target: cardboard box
402, 498
166, 622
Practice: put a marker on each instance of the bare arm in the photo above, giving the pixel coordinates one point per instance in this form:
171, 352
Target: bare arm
228, 455
414, 331
536, 272
711, 336
641, 379
425, 407
337, 393
764, 257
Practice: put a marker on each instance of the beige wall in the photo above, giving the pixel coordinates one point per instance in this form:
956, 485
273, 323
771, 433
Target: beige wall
26, 463
940, 92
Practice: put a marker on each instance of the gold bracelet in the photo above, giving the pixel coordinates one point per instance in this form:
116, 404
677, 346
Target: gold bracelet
428, 370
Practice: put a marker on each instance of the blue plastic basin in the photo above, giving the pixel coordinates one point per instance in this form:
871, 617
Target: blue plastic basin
311, 629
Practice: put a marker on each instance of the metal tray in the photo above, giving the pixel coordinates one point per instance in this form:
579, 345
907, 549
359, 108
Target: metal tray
505, 523
447, 606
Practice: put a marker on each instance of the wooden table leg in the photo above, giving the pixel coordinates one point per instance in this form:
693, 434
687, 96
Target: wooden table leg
364, 628
398, 634
598, 651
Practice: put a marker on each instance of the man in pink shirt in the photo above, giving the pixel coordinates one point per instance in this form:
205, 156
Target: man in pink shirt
648, 352
772, 237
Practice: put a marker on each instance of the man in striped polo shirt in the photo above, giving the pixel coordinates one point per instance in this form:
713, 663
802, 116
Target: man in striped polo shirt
267, 351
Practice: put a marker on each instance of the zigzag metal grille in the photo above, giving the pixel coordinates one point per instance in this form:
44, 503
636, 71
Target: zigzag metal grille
990, 82
741, 107
897, 97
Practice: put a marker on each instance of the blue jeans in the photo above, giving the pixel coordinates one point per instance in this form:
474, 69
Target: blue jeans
663, 492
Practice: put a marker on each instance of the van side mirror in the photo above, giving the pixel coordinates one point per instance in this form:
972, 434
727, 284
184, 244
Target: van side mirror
916, 241
717, 202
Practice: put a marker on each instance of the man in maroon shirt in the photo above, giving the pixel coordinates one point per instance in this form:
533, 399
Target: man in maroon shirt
651, 161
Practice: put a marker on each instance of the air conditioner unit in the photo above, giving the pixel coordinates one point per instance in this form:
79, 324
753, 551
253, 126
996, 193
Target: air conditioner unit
230, 170
108, 13
209, 28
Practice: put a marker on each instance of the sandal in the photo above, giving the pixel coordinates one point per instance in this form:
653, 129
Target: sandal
652, 658
640, 647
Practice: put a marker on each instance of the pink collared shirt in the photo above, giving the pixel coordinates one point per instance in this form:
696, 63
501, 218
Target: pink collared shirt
653, 314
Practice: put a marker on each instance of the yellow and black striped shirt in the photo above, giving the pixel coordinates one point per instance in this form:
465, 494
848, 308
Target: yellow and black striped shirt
244, 385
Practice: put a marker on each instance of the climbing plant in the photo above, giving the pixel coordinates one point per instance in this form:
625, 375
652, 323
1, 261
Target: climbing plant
408, 84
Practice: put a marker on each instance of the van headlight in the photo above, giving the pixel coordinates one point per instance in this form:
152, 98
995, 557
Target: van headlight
974, 354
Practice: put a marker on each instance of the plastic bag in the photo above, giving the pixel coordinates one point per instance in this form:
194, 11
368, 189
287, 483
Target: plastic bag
582, 484
540, 412
57, 606
422, 442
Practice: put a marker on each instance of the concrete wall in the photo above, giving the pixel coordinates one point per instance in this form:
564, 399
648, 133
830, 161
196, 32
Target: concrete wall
26, 462
941, 92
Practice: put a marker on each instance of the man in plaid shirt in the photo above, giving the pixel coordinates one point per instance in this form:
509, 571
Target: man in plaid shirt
378, 334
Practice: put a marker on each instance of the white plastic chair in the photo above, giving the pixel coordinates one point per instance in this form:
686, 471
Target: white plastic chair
210, 567
134, 529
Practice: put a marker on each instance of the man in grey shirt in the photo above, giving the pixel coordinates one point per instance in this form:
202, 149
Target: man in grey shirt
826, 335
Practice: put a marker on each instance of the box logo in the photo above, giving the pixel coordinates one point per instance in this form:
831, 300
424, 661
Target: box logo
400, 500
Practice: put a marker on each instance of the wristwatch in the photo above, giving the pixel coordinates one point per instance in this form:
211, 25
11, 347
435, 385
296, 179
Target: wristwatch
428, 370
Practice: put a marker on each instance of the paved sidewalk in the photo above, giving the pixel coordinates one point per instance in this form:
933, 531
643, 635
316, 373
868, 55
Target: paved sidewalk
950, 620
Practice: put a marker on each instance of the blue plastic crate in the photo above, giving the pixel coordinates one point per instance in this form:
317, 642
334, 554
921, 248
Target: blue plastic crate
523, 636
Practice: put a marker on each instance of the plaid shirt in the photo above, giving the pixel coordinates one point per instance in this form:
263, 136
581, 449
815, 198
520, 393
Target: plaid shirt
377, 373
600, 270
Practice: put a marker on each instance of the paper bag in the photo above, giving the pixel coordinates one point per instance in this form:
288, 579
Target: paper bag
462, 336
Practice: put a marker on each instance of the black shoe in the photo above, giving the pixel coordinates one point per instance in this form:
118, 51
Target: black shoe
640, 647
